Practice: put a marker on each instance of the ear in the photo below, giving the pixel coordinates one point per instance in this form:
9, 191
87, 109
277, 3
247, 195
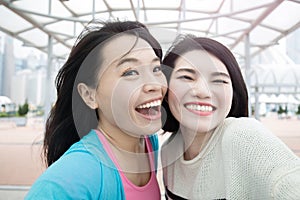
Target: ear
88, 95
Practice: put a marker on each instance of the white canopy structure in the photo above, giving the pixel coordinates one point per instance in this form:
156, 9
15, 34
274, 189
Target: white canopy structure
274, 84
275, 79
228, 21
246, 27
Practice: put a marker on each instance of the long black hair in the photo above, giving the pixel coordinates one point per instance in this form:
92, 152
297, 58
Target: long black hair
186, 43
62, 129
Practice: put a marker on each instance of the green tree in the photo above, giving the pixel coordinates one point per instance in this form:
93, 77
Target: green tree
280, 110
23, 109
298, 111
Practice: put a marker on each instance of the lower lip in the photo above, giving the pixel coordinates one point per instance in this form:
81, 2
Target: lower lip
201, 113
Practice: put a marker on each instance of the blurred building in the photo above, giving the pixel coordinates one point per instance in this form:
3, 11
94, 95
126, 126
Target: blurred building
1, 69
293, 46
24, 78
29, 85
8, 67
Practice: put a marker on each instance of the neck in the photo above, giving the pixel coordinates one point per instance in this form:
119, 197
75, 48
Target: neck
129, 151
121, 140
194, 142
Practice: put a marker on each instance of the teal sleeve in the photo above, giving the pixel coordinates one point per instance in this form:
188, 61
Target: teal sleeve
74, 176
44, 190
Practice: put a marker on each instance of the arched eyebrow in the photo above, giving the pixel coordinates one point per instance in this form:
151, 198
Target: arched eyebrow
220, 74
134, 60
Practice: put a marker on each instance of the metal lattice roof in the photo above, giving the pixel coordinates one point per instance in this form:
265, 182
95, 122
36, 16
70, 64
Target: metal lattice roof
228, 21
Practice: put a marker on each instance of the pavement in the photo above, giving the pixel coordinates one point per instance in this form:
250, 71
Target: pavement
20, 152
20, 157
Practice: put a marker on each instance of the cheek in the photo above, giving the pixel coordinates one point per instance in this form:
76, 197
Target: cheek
121, 103
173, 93
123, 94
179, 89
228, 95
174, 105
163, 81
115, 98
176, 94
164, 85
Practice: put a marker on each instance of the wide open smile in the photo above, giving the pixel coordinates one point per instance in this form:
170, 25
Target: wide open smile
150, 110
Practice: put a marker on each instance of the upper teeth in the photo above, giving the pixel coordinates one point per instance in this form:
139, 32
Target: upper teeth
199, 108
150, 104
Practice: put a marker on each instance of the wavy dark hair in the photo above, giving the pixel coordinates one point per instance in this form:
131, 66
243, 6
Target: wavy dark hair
186, 43
70, 118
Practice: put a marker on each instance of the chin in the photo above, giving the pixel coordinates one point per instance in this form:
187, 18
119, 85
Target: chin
140, 130
198, 128
146, 130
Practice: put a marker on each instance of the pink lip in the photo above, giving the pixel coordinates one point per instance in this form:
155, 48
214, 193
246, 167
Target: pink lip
200, 113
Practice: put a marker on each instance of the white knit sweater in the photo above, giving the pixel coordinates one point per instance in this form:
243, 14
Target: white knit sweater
242, 160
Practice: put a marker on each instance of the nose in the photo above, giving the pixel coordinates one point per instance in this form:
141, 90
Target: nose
152, 83
152, 87
201, 89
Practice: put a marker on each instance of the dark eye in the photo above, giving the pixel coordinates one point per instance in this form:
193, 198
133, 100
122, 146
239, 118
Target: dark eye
220, 81
130, 72
185, 77
157, 69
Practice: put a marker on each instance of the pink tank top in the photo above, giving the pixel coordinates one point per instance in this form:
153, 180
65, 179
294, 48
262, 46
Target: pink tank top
150, 191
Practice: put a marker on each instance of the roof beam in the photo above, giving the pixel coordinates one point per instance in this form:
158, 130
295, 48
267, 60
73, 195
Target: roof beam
22, 39
257, 21
284, 34
108, 8
212, 21
181, 14
52, 16
262, 25
33, 22
145, 13
133, 10
295, 1
213, 16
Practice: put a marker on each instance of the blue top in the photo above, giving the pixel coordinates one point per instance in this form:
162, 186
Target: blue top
85, 171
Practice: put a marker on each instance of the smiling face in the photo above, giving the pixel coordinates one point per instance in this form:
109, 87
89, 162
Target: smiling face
200, 91
131, 87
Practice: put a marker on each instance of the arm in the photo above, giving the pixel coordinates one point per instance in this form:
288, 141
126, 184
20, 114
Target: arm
258, 161
288, 185
74, 176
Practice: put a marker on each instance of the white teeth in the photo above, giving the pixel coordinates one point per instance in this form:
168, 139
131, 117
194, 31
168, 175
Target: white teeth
151, 104
200, 108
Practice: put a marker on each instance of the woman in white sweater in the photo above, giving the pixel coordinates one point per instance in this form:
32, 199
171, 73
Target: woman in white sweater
216, 151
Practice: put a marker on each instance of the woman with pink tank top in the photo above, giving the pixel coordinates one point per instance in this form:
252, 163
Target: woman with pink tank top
99, 140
